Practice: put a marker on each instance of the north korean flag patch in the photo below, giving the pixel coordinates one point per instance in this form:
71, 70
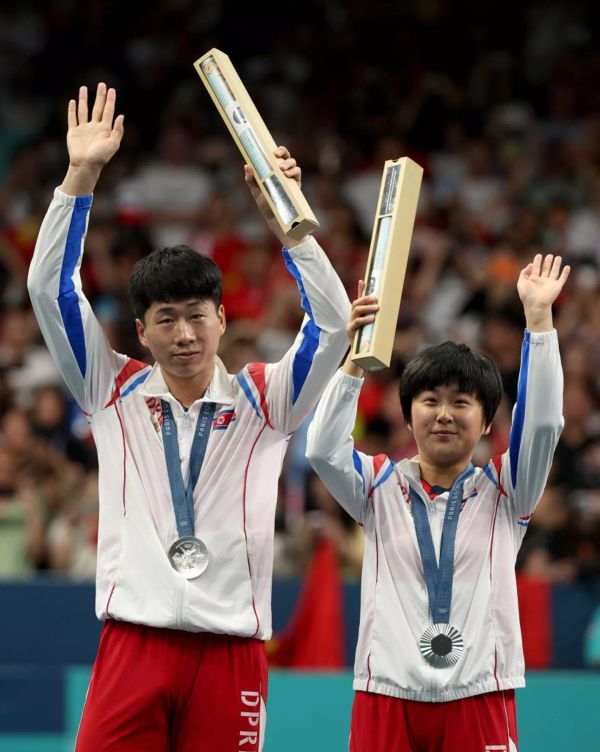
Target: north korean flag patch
223, 420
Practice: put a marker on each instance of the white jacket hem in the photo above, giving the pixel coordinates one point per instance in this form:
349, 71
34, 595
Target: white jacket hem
443, 695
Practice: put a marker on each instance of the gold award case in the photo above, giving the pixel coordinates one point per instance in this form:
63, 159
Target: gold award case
253, 139
388, 258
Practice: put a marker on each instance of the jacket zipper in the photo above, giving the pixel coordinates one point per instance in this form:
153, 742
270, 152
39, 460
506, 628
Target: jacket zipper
179, 598
180, 595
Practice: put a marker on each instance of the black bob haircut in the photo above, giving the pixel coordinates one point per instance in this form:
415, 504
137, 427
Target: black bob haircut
171, 274
447, 364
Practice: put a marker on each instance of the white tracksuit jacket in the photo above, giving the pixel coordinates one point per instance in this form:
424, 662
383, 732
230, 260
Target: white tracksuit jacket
236, 493
498, 502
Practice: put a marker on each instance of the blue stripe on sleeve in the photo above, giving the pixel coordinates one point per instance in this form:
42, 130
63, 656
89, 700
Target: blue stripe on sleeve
248, 392
68, 300
311, 333
358, 467
516, 431
386, 475
488, 471
135, 383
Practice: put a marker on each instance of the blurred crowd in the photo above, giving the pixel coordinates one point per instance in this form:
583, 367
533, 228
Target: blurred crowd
503, 116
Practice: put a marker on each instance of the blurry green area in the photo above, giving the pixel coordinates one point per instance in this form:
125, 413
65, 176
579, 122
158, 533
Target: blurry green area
558, 711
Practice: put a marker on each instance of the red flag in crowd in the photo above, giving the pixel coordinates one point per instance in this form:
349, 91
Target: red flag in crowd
535, 614
315, 636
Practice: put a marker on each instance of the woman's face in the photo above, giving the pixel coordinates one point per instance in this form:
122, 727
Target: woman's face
447, 424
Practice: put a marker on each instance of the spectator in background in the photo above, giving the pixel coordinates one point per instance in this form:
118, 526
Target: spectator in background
170, 193
361, 188
50, 422
549, 549
500, 338
73, 533
218, 236
582, 232
27, 362
577, 463
22, 543
246, 286
326, 517
481, 196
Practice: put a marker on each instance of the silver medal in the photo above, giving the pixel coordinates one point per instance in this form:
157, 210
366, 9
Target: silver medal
189, 556
441, 645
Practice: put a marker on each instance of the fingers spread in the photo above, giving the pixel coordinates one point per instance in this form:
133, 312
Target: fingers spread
528, 270
109, 107
82, 107
565, 274
547, 265
555, 272
99, 102
72, 114
118, 127
537, 264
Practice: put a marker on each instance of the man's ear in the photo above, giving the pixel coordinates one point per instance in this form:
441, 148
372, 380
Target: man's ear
222, 319
486, 430
141, 332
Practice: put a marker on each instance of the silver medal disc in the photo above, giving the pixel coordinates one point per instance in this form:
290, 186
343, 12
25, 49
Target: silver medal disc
441, 645
189, 556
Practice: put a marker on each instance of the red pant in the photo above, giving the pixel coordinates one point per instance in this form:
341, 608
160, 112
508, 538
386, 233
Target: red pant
482, 723
161, 690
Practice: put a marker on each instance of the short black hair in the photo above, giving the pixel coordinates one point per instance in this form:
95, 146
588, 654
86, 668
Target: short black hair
449, 363
173, 273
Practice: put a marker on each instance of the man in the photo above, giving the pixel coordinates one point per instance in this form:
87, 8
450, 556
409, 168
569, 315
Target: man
439, 651
189, 457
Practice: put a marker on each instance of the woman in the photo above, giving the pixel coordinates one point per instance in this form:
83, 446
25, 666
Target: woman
439, 652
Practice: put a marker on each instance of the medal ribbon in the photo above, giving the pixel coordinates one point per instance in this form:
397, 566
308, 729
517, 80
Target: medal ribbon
439, 578
183, 497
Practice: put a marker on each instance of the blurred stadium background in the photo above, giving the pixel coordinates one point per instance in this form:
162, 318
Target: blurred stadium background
500, 104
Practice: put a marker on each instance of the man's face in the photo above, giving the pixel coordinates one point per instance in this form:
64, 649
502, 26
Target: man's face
447, 424
183, 335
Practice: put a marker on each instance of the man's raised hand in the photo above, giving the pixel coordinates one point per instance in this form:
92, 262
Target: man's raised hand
95, 141
91, 141
291, 170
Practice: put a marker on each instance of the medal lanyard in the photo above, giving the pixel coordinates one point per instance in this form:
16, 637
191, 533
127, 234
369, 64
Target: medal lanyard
439, 579
183, 497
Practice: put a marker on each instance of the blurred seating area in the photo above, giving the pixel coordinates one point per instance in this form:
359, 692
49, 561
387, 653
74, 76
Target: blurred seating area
503, 116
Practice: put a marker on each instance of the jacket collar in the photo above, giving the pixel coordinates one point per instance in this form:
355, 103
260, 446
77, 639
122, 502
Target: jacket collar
411, 470
219, 389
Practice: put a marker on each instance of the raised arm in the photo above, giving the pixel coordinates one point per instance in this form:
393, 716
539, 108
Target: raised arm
287, 391
537, 415
72, 333
347, 473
